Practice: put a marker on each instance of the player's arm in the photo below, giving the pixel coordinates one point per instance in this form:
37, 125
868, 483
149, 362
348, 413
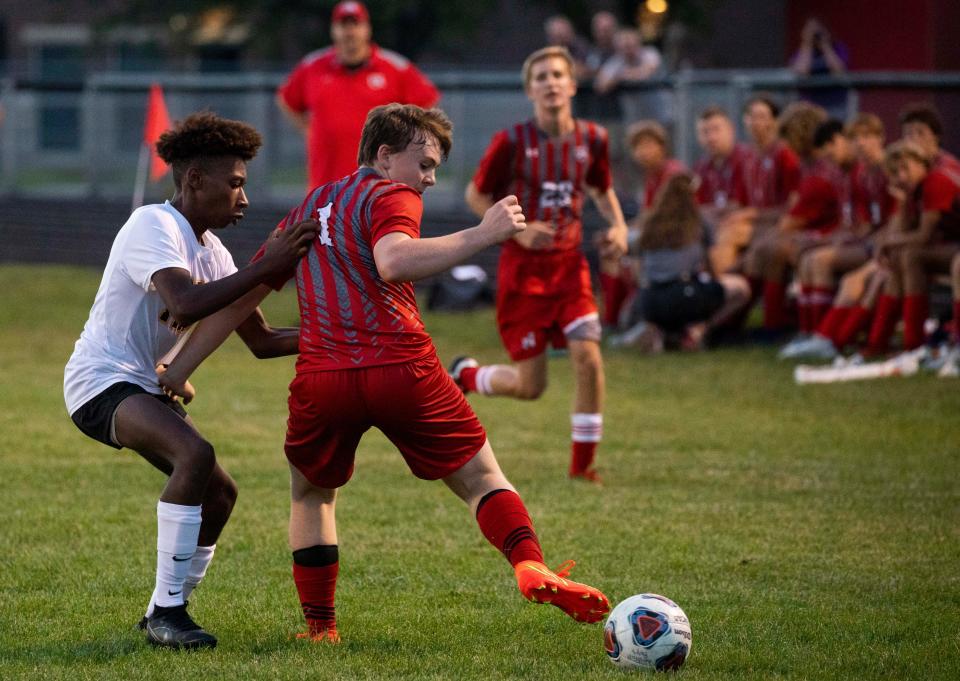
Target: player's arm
401, 258
477, 201
923, 234
188, 302
266, 341
615, 239
790, 224
206, 337
299, 119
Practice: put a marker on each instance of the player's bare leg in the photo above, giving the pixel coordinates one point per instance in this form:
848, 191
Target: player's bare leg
586, 421
505, 523
172, 445
736, 294
916, 265
316, 556
523, 380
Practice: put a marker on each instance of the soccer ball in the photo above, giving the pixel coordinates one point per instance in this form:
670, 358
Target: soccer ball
647, 631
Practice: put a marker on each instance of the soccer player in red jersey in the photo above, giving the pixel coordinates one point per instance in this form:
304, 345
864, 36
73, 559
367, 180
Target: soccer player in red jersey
771, 169
873, 204
650, 148
722, 189
366, 360
328, 94
822, 206
921, 124
543, 283
927, 243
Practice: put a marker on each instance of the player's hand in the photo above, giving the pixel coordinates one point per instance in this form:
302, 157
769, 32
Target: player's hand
613, 245
173, 386
285, 247
504, 219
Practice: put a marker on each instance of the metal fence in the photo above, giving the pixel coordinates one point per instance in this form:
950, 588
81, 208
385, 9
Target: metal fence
82, 140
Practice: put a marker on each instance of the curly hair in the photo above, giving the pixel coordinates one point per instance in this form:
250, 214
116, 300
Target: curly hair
798, 125
203, 136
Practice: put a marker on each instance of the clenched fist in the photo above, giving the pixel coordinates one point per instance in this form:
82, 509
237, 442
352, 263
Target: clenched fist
504, 219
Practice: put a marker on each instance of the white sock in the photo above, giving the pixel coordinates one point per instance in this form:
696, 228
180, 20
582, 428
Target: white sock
178, 528
586, 427
198, 568
484, 375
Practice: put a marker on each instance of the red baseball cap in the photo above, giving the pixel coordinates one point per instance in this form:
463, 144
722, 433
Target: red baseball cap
350, 9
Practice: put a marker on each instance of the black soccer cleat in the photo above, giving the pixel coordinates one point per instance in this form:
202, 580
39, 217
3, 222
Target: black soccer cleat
174, 628
458, 365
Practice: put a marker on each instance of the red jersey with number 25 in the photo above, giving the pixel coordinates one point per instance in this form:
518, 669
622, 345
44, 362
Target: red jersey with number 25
547, 174
349, 316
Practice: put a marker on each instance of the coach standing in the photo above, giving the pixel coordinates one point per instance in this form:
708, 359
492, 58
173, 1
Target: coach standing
329, 93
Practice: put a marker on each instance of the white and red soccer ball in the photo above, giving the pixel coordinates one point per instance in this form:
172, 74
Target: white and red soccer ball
648, 631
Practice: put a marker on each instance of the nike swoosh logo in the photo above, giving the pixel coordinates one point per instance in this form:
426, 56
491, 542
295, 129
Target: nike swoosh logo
180, 560
174, 593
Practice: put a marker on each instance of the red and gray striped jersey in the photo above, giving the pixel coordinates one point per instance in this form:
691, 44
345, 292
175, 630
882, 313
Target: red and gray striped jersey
547, 174
349, 316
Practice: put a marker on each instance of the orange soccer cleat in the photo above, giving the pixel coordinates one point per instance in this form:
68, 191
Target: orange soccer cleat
540, 584
320, 635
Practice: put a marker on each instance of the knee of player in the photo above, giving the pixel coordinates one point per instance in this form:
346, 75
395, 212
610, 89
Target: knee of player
531, 390
227, 490
589, 363
200, 456
909, 258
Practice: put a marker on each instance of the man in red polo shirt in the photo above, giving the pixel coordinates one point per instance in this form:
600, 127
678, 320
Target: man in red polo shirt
329, 93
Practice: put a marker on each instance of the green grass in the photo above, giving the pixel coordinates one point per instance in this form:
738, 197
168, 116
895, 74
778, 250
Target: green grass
809, 533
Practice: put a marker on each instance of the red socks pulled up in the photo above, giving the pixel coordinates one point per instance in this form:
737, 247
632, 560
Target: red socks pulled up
505, 523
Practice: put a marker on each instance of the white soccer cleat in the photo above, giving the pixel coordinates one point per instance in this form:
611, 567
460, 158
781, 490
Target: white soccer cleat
951, 364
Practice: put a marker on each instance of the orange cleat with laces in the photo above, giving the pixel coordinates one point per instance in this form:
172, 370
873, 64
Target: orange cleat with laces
540, 584
320, 635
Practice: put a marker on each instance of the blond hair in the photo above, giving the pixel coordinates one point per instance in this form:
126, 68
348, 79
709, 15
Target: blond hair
540, 55
867, 124
902, 150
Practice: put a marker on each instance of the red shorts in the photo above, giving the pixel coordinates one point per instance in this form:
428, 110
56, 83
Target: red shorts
527, 322
415, 404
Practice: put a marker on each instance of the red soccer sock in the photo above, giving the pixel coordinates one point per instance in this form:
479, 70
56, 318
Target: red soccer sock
832, 321
856, 320
821, 297
955, 333
774, 312
803, 309
317, 585
916, 308
505, 523
582, 455
884, 324
468, 379
614, 293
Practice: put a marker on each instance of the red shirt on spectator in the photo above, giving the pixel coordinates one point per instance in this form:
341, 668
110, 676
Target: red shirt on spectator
338, 99
654, 180
823, 199
771, 175
870, 192
940, 191
722, 181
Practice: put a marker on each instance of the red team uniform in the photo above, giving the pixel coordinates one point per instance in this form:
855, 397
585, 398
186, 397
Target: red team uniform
544, 294
770, 175
823, 199
365, 358
653, 181
870, 193
722, 183
338, 99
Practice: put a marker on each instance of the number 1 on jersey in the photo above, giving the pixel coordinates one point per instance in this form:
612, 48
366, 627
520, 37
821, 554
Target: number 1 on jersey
323, 214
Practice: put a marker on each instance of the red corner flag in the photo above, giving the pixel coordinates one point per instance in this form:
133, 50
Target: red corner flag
158, 122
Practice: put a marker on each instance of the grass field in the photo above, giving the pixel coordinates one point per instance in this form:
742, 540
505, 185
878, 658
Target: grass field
809, 533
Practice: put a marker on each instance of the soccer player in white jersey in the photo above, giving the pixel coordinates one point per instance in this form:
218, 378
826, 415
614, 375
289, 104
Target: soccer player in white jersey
167, 270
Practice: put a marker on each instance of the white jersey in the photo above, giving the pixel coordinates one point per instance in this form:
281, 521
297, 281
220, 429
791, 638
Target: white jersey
124, 336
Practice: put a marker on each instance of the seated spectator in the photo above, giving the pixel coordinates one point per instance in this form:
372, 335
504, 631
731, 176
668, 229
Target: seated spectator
797, 126
821, 208
721, 189
926, 244
559, 31
850, 251
821, 55
603, 30
679, 294
633, 62
649, 148
921, 124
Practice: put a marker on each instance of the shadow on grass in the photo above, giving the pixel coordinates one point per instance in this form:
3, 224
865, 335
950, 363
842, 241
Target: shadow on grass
80, 651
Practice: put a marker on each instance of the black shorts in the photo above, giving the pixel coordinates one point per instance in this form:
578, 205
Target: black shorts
674, 305
95, 417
